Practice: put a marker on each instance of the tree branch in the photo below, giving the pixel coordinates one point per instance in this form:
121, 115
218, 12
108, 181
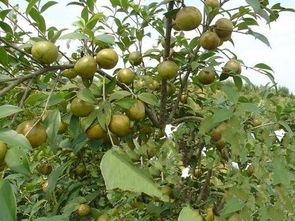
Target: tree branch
166, 56
205, 189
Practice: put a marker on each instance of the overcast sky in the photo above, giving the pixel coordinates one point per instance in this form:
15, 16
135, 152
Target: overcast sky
281, 36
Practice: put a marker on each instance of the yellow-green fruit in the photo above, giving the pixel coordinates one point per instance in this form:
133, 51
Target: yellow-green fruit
137, 111
153, 85
86, 67
168, 69
224, 27
45, 52
62, 127
166, 190
107, 58
256, 122
120, 125
188, 18
126, 75
232, 67
170, 89
235, 217
209, 215
139, 84
183, 98
216, 134
37, 135
45, 169
69, 73
209, 40
96, 132
135, 58
197, 215
84, 210
81, 108
80, 170
174, 26
103, 217
212, 3
197, 172
220, 144
206, 76
3, 150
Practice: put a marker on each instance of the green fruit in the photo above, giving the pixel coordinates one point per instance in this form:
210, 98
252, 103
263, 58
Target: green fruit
126, 75
183, 98
62, 127
96, 132
103, 217
81, 108
209, 40
120, 125
153, 85
84, 210
212, 3
86, 67
139, 84
45, 52
69, 73
188, 18
170, 89
216, 134
224, 28
256, 122
45, 169
80, 170
137, 111
107, 58
135, 58
166, 190
206, 76
36, 136
3, 150
167, 69
232, 67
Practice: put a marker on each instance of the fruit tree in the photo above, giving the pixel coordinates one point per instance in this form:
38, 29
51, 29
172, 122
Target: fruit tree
85, 113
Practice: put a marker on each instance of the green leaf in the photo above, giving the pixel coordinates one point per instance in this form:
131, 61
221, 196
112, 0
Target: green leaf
53, 218
4, 2
4, 59
249, 107
281, 175
260, 37
16, 159
230, 93
5, 27
53, 178
13, 139
117, 95
149, 98
221, 115
38, 18
126, 102
263, 66
31, 4
7, 202
232, 205
47, 5
238, 82
86, 95
94, 19
124, 4
7, 110
116, 167
187, 214
52, 123
108, 39
4, 13
87, 121
104, 114
286, 126
193, 105
255, 4
74, 35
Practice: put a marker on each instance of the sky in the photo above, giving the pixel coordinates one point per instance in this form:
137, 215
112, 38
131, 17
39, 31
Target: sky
281, 35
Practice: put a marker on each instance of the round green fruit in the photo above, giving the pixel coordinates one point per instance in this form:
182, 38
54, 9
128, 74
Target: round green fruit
80, 170
69, 73
167, 69
209, 40
107, 58
137, 111
3, 150
126, 75
45, 169
103, 217
84, 210
232, 67
120, 125
86, 67
96, 132
216, 134
188, 18
135, 58
81, 108
224, 28
45, 52
212, 3
36, 135
206, 76
62, 127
